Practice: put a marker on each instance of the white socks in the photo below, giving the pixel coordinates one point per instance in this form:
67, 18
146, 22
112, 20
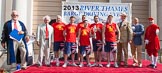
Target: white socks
155, 61
152, 60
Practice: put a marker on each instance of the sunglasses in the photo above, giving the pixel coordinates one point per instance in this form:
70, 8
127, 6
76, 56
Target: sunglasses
15, 15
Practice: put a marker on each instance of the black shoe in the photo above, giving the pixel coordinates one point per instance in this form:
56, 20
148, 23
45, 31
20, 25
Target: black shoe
125, 66
49, 65
154, 66
38, 65
119, 64
78, 63
150, 65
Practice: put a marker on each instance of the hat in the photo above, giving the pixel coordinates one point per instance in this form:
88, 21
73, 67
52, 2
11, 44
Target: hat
150, 18
123, 14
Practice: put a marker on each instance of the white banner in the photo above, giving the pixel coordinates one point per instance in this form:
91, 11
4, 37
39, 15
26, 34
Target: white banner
90, 9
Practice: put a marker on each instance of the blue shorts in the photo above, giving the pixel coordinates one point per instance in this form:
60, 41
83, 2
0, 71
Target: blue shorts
85, 50
70, 48
58, 46
97, 46
110, 46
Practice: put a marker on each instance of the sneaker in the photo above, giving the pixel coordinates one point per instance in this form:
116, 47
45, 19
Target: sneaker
57, 64
100, 65
65, 65
38, 65
78, 63
108, 65
116, 65
74, 64
134, 64
89, 65
150, 65
81, 65
119, 64
95, 64
154, 66
140, 65
125, 65
49, 65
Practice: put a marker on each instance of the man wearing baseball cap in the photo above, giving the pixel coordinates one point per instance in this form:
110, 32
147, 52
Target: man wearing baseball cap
152, 42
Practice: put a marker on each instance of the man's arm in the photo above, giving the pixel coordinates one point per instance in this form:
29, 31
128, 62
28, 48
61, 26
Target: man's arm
53, 35
157, 30
130, 32
79, 33
64, 34
4, 35
52, 38
146, 36
118, 31
140, 32
103, 34
38, 34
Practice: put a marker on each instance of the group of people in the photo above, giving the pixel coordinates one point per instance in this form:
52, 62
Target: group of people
67, 37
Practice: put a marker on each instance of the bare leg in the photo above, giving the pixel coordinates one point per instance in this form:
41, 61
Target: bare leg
100, 57
95, 55
73, 59
81, 59
65, 60
108, 59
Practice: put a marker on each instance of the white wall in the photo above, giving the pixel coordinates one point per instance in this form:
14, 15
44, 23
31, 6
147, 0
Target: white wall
115, 1
159, 17
25, 10
0, 12
7, 9
0, 22
71, 0
153, 9
29, 23
21, 7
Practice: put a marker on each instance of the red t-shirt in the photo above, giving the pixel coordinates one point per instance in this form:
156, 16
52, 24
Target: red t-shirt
80, 25
152, 37
98, 33
70, 33
84, 36
58, 31
110, 30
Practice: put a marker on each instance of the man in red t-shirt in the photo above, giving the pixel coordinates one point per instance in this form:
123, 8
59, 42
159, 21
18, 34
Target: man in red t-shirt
152, 42
84, 43
96, 29
80, 25
70, 41
59, 27
109, 39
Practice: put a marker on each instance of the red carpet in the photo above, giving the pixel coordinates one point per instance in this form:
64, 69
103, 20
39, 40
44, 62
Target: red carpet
69, 69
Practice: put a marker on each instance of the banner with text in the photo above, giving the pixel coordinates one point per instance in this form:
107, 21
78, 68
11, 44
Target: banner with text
90, 9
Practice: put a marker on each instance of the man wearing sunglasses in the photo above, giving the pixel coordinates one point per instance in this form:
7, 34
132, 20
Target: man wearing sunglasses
13, 45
